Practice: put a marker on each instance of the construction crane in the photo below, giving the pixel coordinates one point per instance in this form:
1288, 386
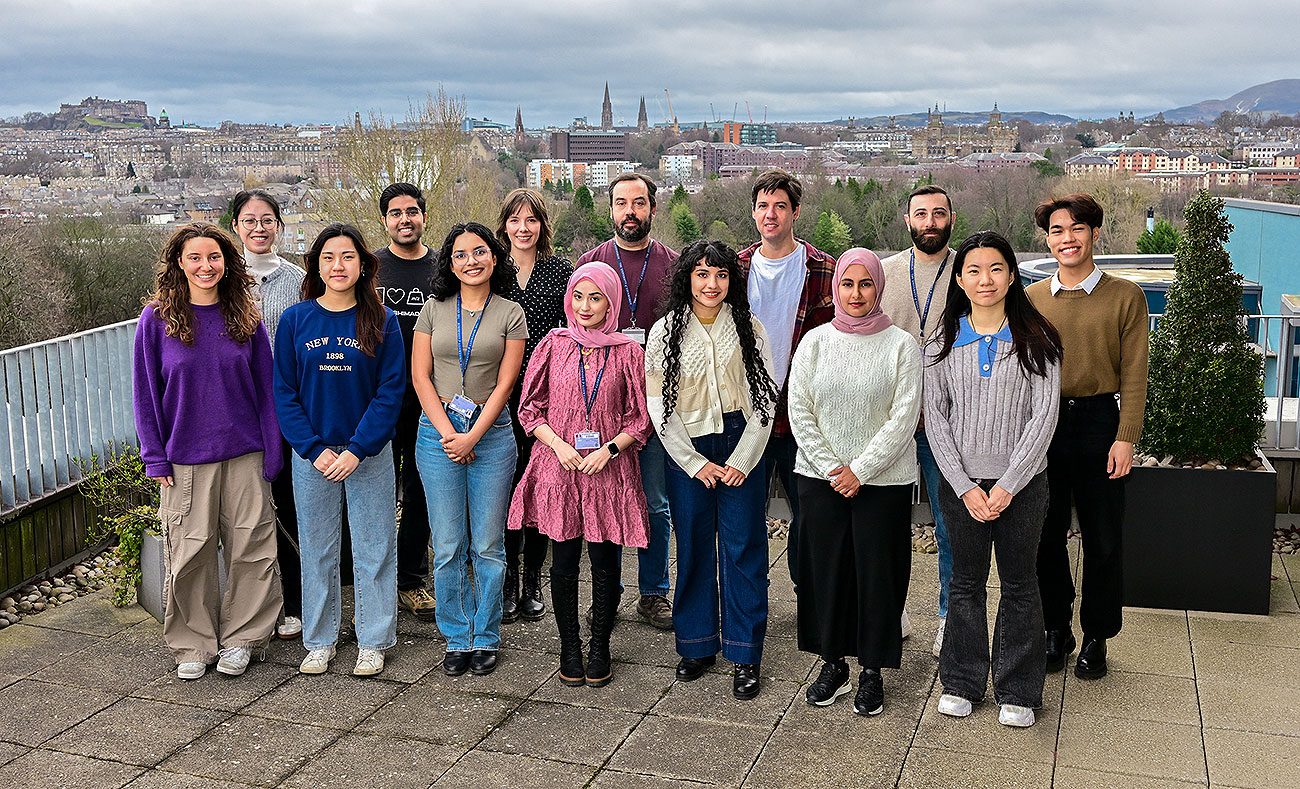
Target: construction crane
749, 112
670, 111
734, 107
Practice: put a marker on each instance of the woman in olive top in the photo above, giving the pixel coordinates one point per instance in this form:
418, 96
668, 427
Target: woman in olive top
465, 358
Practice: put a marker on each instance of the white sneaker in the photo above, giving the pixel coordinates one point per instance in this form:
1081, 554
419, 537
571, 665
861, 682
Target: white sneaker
1015, 715
191, 670
234, 660
291, 627
369, 661
955, 706
938, 637
317, 661
907, 626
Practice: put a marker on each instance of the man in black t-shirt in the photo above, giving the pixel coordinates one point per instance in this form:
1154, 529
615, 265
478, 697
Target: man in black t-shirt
405, 283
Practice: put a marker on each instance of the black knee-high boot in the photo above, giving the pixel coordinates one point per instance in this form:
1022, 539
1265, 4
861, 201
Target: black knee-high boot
564, 602
510, 587
604, 603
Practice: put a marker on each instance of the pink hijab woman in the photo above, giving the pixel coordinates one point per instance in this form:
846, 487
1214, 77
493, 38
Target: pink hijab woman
606, 280
875, 320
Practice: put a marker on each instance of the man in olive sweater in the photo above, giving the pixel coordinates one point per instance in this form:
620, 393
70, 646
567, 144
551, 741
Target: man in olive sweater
1103, 323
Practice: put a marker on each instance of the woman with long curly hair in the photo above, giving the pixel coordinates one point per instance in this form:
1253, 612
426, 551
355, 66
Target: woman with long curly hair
712, 401
205, 415
340, 376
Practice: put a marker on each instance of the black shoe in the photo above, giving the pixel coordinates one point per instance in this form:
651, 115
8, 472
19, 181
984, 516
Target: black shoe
655, 609
870, 698
483, 661
745, 682
531, 607
455, 663
831, 683
1060, 643
690, 669
510, 592
564, 602
605, 591
1092, 659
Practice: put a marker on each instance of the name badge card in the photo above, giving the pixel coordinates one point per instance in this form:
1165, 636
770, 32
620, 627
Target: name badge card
587, 439
636, 334
462, 405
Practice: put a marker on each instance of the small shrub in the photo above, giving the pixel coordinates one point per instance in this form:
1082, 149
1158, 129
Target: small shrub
127, 502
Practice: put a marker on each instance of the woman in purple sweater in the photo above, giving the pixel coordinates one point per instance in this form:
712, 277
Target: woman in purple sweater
208, 434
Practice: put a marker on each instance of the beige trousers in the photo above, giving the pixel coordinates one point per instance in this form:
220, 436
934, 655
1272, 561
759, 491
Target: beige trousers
230, 503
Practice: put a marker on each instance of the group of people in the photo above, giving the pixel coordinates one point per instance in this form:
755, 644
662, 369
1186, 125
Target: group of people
503, 401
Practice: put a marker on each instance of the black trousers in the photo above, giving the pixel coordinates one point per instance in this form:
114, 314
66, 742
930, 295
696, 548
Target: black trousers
1076, 474
413, 526
527, 540
566, 554
855, 561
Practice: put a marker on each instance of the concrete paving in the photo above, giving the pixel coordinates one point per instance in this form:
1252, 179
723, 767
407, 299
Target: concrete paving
88, 697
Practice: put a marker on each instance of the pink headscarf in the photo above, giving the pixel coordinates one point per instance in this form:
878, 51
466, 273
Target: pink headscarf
875, 320
607, 281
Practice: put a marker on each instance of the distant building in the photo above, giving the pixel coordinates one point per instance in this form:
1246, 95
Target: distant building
998, 161
681, 167
642, 121
606, 111
588, 146
1087, 164
553, 171
600, 174
940, 141
474, 124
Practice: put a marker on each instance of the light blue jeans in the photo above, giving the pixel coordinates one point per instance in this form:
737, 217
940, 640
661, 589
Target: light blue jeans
933, 478
372, 520
467, 521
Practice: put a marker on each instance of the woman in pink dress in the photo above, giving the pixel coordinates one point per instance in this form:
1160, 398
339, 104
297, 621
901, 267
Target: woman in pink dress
584, 401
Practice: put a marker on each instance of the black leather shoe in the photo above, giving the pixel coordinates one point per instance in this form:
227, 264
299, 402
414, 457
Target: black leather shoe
455, 663
510, 593
531, 607
483, 661
1060, 643
1092, 659
745, 682
690, 669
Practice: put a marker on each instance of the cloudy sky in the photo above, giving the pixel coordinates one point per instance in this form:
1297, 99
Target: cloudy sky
317, 62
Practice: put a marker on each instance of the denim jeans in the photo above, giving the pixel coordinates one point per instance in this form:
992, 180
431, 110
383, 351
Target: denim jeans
779, 458
372, 519
652, 560
1019, 662
933, 478
467, 518
721, 533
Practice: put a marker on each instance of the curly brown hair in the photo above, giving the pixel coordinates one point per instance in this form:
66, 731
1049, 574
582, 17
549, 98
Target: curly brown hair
171, 297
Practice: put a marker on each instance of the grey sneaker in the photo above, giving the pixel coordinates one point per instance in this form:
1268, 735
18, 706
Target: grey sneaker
317, 661
233, 660
655, 609
369, 661
192, 669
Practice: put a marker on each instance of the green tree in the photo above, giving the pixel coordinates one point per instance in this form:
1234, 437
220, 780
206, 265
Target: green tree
1086, 139
718, 231
679, 197
685, 223
1047, 168
1162, 239
102, 268
831, 234
582, 199
1205, 396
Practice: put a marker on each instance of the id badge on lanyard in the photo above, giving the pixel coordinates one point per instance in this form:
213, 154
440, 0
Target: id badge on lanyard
637, 334
462, 405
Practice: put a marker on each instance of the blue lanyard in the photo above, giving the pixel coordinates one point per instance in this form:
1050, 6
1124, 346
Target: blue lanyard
462, 350
631, 302
917, 299
595, 386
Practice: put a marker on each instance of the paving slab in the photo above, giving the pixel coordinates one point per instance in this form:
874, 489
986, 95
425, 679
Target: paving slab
136, 731
407, 662
709, 698
519, 674
1282, 597
635, 688
1248, 664
980, 734
217, 691
1278, 630
158, 779
26, 649
906, 696
1156, 622
927, 768
93, 615
1252, 760
615, 779
711, 752
793, 758
1146, 655
1161, 750
638, 642
39, 767
562, 733
783, 660
329, 700
368, 761
119, 664
441, 715
1079, 778
1121, 694
478, 769
11, 750
1231, 704
251, 750
31, 712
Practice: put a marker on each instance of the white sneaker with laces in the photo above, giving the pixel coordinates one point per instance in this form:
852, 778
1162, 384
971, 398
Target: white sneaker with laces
938, 637
906, 625
317, 661
955, 706
291, 627
233, 660
1015, 715
191, 670
369, 661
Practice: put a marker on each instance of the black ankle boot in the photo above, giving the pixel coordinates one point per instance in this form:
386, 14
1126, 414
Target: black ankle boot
564, 602
510, 591
604, 604
531, 606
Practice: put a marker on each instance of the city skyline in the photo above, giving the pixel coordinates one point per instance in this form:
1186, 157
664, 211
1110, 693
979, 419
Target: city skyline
318, 63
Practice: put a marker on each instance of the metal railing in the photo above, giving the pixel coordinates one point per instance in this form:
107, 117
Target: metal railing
66, 400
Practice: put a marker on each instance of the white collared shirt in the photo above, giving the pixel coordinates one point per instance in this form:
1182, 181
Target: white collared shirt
1089, 282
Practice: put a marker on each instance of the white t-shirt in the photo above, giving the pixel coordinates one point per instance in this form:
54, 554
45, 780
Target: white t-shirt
774, 290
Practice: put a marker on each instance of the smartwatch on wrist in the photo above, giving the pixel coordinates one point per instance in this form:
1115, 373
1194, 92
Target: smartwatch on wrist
613, 449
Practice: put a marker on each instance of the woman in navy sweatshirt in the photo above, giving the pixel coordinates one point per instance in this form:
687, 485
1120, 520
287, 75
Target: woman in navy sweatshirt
340, 374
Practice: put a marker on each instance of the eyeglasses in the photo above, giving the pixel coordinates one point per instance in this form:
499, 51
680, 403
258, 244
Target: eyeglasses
410, 213
481, 254
248, 222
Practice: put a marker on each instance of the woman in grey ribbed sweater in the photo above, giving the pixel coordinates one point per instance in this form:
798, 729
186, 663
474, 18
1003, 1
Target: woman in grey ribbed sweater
992, 385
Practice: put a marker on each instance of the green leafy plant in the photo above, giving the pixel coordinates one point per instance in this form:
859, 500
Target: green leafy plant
1161, 239
127, 505
1205, 395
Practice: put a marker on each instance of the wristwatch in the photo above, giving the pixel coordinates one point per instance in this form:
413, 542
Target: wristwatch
613, 449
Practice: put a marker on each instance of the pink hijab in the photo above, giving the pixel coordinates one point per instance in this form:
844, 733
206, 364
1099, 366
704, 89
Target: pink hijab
606, 280
875, 320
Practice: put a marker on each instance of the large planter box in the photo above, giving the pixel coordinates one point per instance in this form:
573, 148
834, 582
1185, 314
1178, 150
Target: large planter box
1199, 539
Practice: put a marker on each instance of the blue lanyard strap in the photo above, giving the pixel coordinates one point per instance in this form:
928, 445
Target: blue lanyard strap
463, 350
631, 299
917, 299
595, 386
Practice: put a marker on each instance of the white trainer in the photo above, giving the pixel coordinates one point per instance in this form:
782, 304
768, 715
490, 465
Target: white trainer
906, 625
191, 670
291, 627
317, 661
234, 660
938, 637
955, 706
369, 661
1015, 715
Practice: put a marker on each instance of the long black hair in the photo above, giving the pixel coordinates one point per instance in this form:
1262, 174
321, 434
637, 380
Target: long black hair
762, 389
370, 310
1033, 338
445, 282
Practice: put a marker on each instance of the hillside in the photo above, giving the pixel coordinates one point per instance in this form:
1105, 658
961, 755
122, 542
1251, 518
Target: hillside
1279, 96
917, 119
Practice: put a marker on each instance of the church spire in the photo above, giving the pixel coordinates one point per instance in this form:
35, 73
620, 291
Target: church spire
642, 121
606, 111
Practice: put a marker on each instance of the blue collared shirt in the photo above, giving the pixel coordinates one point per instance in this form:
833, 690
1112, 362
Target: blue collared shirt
988, 350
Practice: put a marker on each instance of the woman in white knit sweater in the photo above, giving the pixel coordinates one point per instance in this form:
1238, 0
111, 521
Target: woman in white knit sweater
712, 400
855, 397
992, 389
